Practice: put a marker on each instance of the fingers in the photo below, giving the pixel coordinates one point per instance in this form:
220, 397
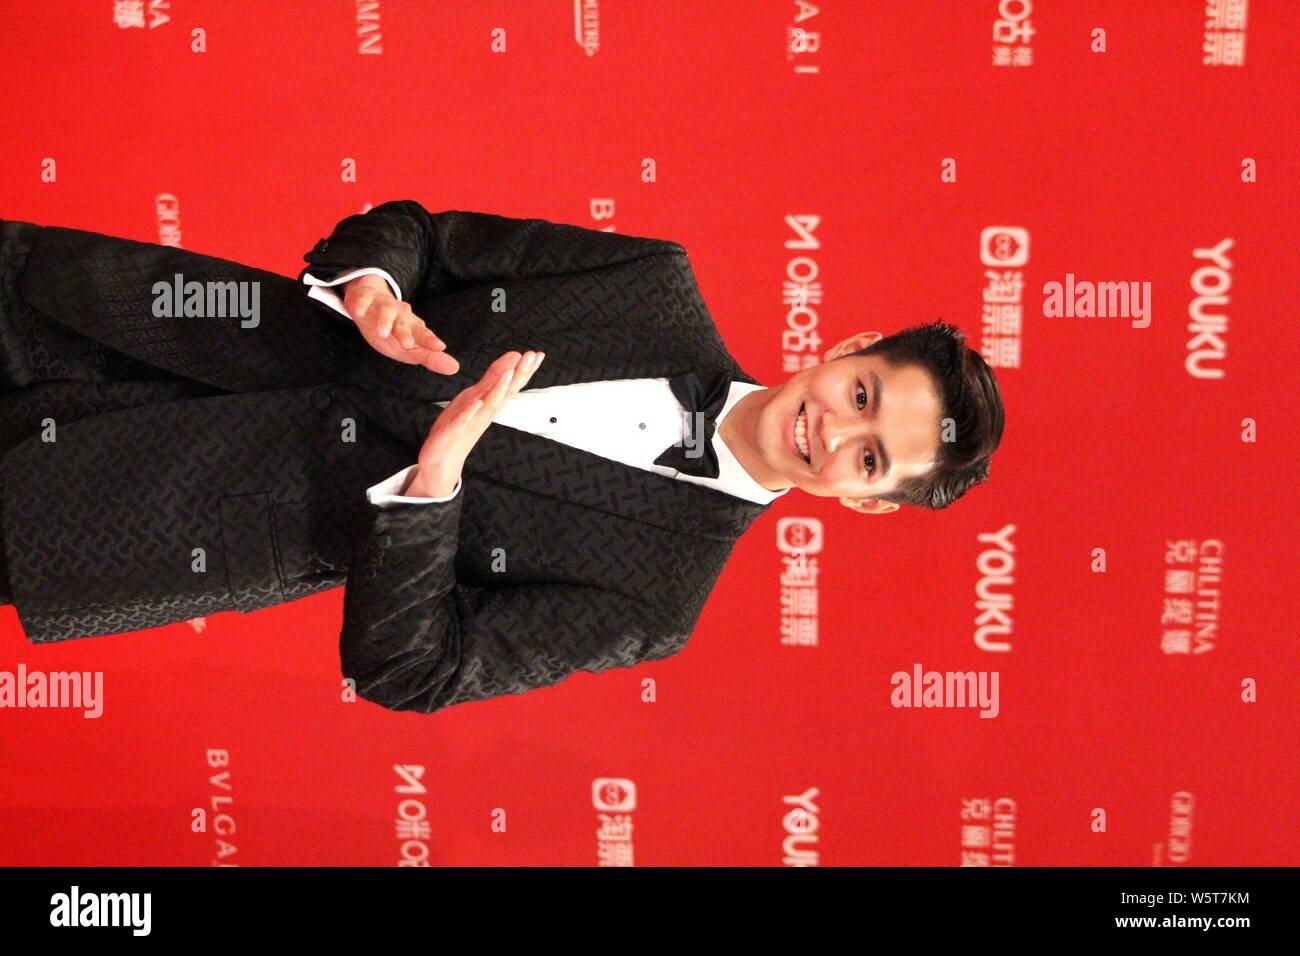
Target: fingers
484, 400
392, 329
392, 318
399, 334
413, 333
409, 330
494, 386
497, 396
390, 314
464, 420
358, 303
492, 375
515, 371
502, 362
440, 362
524, 370
424, 336
435, 360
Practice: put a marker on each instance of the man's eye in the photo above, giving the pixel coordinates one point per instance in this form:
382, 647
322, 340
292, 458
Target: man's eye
863, 392
870, 461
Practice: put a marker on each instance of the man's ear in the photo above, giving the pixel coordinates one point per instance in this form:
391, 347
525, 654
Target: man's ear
855, 342
870, 506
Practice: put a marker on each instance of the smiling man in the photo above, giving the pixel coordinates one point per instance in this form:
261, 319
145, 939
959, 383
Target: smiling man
868, 425
522, 445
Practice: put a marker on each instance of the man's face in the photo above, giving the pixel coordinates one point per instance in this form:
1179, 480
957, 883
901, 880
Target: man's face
852, 427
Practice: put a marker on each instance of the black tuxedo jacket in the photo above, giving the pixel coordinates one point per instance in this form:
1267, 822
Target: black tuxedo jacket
550, 560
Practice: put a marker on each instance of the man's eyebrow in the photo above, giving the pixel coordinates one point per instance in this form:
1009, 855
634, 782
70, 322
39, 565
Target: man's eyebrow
875, 405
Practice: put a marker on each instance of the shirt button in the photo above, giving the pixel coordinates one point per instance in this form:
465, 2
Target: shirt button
642, 425
552, 419
321, 398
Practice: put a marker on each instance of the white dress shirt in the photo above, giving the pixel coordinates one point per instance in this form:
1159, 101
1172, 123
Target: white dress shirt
629, 420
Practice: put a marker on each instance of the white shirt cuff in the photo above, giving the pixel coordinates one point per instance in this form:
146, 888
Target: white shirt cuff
388, 492
321, 290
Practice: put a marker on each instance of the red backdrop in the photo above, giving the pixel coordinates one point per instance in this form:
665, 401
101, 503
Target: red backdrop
1117, 166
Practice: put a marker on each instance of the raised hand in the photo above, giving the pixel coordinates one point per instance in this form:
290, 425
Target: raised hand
392, 329
462, 423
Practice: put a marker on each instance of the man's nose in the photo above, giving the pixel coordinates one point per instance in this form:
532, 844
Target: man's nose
837, 429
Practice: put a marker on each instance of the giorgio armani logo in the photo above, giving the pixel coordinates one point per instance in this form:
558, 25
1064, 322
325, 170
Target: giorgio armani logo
168, 210
803, 41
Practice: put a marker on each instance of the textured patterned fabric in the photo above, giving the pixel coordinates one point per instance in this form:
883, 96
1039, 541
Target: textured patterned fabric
551, 560
50, 373
47, 370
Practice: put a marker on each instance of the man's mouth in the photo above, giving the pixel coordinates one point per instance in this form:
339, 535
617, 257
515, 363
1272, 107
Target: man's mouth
801, 434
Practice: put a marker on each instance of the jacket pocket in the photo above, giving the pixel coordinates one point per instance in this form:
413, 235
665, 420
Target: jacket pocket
251, 554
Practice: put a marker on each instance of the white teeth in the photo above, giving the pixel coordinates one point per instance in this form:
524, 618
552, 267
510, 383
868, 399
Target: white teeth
801, 434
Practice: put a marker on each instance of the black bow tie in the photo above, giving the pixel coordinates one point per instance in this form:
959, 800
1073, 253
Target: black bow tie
702, 395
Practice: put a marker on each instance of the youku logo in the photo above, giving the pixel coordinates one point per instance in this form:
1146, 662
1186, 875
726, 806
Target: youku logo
1209, 311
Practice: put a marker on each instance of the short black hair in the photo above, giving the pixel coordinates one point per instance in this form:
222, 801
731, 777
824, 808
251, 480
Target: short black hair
970, 397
